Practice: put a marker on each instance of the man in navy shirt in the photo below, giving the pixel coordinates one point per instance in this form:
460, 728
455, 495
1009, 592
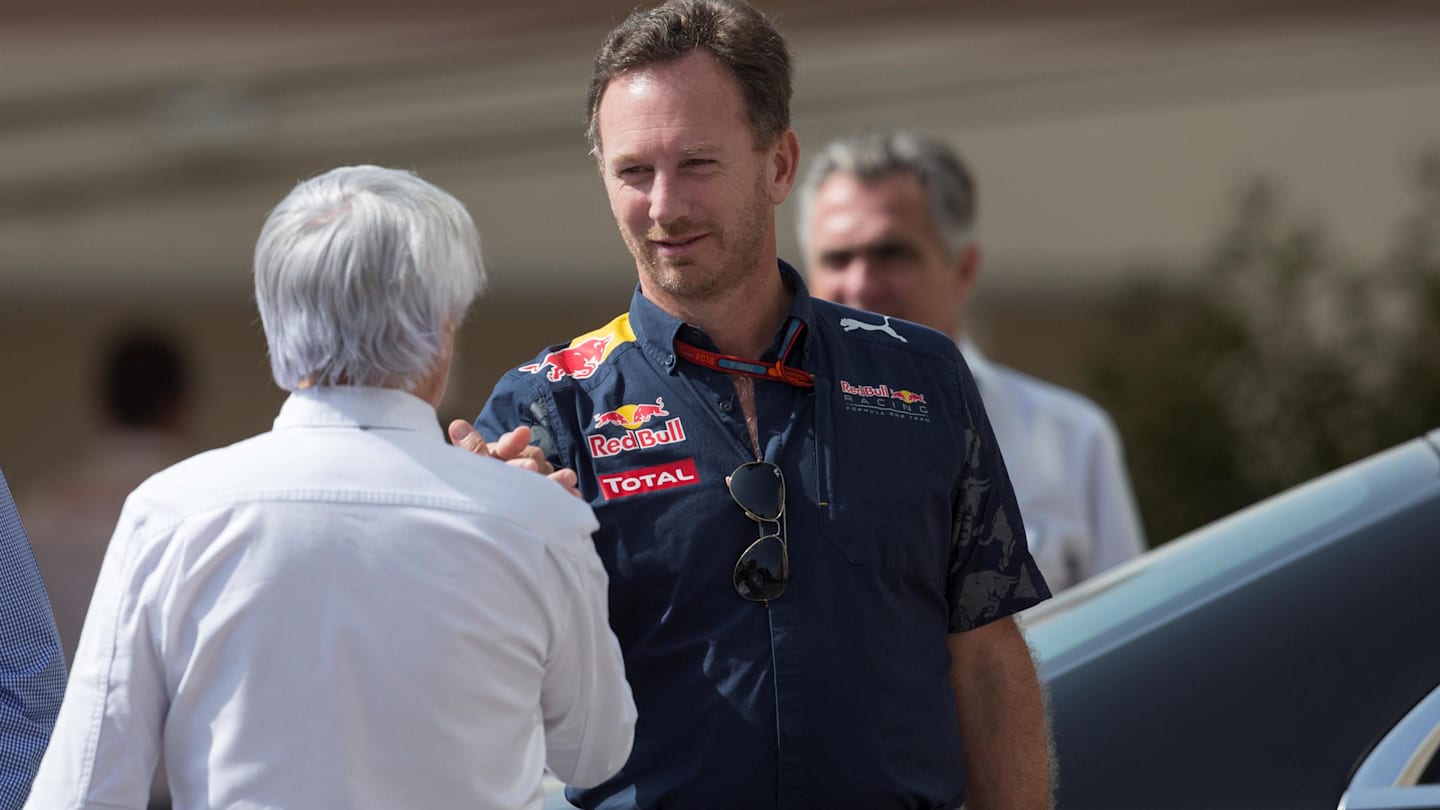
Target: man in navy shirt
814, 551
32, 666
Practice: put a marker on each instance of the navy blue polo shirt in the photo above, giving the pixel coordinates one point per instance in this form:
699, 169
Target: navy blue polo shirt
901, 525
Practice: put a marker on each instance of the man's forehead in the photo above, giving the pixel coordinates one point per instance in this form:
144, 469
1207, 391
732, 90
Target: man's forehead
892, 189
639, 80
696, 82
844, 201
851, 213
697, 72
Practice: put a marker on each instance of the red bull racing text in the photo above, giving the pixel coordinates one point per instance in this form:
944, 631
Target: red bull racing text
882, 399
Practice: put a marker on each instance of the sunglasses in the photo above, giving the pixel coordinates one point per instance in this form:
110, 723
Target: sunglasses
763, 569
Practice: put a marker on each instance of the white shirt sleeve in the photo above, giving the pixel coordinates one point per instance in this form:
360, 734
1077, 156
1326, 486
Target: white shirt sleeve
1114, 517
106, 742
588, 710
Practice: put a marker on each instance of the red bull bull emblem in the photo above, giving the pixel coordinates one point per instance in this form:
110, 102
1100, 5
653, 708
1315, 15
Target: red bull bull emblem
632, 416
898, 402
625, 483
579, 360
636, 437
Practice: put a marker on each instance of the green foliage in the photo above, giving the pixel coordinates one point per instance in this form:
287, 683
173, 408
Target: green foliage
1279, 362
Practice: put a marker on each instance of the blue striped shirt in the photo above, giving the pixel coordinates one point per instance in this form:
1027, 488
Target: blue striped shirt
32, 665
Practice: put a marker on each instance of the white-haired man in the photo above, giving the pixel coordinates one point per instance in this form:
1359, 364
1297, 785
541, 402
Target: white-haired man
886, 220
346, 611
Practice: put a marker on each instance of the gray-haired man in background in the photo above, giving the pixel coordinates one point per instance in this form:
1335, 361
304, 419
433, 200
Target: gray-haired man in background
346, 611
886, 223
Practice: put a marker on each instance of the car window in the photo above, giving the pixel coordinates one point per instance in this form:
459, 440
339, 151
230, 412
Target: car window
1226, 553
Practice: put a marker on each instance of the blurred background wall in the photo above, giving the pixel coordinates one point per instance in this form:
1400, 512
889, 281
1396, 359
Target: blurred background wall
142, 146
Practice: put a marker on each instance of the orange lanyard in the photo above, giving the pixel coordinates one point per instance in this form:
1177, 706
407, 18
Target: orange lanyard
753, 368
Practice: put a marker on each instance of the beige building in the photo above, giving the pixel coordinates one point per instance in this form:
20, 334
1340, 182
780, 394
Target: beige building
140, 153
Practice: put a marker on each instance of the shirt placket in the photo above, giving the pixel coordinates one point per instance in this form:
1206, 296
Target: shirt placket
791, 448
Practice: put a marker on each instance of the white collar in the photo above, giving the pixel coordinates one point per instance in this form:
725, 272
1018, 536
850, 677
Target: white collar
980, 366
358, 407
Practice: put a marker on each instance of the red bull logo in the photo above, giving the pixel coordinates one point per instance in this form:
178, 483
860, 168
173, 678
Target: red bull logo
631, 417
882, 392
579, 360
901, 403
672, 432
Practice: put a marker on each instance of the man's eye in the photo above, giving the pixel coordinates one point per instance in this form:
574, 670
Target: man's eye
699, 162
892, 251
633, 171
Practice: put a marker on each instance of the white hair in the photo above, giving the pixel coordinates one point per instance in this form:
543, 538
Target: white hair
871, 156
358, 273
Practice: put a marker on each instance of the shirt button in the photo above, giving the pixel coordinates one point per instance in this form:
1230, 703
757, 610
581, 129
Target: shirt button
669, 360
725, 405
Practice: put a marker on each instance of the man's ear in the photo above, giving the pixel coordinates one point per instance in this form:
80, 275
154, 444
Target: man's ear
784, 166
967, 269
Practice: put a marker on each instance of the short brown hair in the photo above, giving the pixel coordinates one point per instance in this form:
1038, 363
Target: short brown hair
743, 39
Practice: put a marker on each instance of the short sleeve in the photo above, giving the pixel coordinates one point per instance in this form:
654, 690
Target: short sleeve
991, 573
516, 402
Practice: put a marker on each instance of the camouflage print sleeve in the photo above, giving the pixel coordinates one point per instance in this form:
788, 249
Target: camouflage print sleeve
991, 572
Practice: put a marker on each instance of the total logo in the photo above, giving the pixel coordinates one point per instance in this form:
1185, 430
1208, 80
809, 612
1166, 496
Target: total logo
898, 402
636, 437
670, 475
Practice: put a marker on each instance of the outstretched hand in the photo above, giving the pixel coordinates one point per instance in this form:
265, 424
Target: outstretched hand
513, 448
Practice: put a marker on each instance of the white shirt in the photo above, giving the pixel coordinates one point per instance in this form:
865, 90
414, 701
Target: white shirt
70, 516
1063, 456
345, 612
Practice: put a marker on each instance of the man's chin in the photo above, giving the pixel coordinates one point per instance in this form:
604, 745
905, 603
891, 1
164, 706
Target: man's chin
675, 280
670, 272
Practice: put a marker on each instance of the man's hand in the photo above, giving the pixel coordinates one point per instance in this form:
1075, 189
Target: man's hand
513, 448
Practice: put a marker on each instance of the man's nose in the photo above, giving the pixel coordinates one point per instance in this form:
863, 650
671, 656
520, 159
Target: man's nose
668, 200
861, 282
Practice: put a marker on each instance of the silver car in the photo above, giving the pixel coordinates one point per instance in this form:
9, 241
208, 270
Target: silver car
1287, 656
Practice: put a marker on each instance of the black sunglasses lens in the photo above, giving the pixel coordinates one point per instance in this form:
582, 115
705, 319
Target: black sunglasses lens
762, 570
759, 488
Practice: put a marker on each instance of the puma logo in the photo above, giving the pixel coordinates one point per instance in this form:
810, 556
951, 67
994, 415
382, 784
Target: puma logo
850, 325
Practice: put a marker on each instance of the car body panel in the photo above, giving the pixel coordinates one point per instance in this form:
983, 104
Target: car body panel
1251, 663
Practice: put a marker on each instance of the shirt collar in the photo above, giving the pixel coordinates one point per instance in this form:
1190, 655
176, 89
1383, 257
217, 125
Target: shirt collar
358, 407
656, 330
